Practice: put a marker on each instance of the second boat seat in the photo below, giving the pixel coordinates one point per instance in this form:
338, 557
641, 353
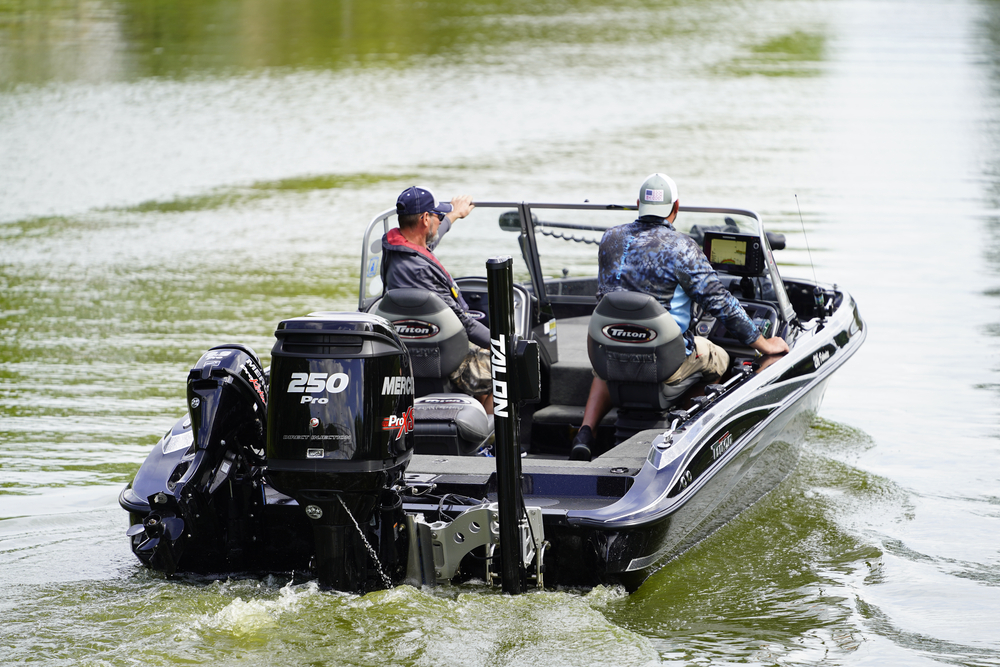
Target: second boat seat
450, 424
635, 345
444, 422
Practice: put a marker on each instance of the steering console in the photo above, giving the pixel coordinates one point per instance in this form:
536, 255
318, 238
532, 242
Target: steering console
763, 315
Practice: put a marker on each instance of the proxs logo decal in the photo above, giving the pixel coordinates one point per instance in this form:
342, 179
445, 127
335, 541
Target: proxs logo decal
402, 424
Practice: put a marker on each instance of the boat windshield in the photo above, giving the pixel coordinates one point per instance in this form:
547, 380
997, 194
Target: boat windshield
567, 238
695, 222
554, 246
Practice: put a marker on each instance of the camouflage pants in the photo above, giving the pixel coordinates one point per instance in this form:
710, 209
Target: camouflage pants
474, 376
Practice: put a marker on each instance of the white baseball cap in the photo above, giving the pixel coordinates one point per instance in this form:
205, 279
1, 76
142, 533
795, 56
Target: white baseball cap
657, 195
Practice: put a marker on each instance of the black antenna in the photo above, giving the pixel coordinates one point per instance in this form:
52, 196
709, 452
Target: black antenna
817, 292
808, 249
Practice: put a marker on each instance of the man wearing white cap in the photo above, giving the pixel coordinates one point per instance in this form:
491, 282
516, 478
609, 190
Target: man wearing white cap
409, 261
650, 256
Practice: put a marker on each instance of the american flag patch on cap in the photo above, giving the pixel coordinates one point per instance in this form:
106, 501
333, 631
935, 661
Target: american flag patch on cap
653, 195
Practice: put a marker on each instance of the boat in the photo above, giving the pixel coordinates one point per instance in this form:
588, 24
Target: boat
351, 459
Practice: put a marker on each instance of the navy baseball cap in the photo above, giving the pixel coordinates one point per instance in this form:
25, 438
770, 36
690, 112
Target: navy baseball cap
414, 201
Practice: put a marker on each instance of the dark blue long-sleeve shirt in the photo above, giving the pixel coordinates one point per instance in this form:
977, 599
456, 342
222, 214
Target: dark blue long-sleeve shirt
405, 264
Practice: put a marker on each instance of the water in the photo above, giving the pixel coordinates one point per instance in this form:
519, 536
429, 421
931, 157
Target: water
175, 175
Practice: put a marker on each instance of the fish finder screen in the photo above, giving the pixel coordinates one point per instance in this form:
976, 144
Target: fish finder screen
728, 251
737, 254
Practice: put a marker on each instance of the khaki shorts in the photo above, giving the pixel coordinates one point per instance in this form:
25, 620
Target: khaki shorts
475, 375
707, 357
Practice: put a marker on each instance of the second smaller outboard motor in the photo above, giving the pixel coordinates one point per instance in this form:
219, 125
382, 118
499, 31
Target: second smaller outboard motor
340, 434
202, 497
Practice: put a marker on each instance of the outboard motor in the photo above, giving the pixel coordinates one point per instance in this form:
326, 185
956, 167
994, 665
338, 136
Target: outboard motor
339, 438
227, 399
635, 344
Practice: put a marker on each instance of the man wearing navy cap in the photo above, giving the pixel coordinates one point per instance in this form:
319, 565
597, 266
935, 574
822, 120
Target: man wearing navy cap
409, 261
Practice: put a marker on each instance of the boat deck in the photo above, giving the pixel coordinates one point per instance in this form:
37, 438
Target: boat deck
550, 480
554, 425
554, 484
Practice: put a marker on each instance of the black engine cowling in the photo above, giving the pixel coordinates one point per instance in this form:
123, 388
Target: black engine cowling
331, 427
340, 423
193, 506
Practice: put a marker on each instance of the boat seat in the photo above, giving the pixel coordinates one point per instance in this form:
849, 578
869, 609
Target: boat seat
635, 345
444, 422
432, 333
451, 425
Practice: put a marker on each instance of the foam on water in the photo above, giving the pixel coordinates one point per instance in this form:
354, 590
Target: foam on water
247, 617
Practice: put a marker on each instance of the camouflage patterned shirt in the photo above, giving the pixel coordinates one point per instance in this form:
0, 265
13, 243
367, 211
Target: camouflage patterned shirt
650, 256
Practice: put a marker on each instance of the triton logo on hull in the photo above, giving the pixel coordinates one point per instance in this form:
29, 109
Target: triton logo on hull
722, 446
629, 333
